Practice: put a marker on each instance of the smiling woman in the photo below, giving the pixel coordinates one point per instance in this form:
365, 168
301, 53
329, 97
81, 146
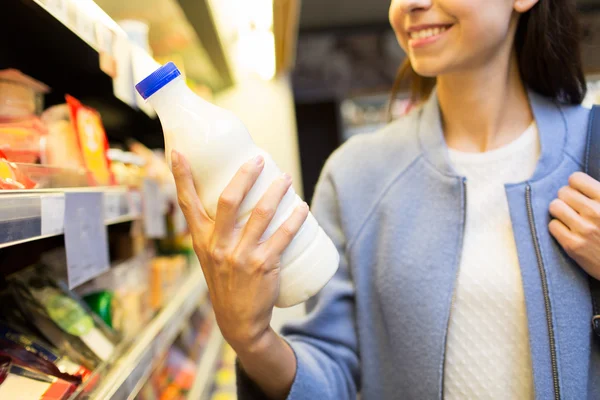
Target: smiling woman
546, 43
461, 276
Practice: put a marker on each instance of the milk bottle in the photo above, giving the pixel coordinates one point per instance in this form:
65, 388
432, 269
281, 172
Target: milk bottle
216, 144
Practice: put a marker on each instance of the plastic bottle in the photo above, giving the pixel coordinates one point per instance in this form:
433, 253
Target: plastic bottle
216, 143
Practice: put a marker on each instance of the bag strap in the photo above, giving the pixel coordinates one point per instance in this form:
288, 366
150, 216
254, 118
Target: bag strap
592, 168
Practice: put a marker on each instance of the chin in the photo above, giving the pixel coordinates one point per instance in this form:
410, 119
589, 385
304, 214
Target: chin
431, 65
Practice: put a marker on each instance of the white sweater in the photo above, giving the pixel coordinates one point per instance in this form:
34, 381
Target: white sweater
487, 350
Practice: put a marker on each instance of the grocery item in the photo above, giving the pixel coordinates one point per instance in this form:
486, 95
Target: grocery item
11, 176
22, 141
19, 355
44, 351
92, 141
127, 168
61, 146
216, 143
20, 95
60, 317
17, 382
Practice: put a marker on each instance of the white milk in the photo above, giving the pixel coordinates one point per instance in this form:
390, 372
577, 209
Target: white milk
217, 144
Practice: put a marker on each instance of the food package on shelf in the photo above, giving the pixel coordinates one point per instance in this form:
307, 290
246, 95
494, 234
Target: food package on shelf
12, 177
17, 382
20, 95
93, 143
76, 139
60, 317
22, 140
165, 277
173, 378
43, 350
61, 144
127, 168
121, 297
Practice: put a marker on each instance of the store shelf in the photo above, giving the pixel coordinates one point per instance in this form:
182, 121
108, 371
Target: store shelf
207, 365
37, 214
65, 52
129, 373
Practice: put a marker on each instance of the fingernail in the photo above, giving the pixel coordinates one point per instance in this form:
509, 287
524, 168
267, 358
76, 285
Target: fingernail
258, 160
287, 177
304, 205
174, 159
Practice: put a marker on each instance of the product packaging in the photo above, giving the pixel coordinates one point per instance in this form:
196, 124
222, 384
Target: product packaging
92, 142
61, 317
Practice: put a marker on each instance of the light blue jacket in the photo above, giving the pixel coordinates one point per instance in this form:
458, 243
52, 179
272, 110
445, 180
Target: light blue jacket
395, 208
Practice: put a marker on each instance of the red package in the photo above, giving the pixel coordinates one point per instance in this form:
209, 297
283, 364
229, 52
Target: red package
11, 178
92, 142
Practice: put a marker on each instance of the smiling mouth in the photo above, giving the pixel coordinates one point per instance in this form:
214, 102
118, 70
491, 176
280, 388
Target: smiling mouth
426, 33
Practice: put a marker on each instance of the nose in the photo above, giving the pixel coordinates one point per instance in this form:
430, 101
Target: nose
409, 6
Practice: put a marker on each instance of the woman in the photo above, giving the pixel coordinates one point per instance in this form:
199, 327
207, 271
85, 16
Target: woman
466, 229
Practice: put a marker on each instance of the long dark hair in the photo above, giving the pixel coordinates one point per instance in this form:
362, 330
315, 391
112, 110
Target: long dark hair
548, 51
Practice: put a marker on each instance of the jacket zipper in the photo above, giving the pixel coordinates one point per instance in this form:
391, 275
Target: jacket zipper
464, 207
547, 305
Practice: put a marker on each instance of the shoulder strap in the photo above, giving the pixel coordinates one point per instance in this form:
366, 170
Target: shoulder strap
592, 168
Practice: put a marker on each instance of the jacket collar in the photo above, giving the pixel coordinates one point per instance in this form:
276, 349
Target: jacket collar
548, 115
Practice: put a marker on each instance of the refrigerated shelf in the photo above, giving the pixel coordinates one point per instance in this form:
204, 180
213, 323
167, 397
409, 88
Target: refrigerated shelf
126, 376
37, 214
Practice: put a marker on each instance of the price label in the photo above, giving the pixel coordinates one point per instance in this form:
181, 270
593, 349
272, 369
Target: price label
86, 241
53, 214
154, 218
112, 206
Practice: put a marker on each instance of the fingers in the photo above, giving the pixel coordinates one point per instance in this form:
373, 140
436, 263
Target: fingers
579, 202
585, 184
265, 210
286, 232
565, 237
561, 211
195, 215
233, 196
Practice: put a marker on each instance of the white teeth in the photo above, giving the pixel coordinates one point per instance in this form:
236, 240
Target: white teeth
426, 33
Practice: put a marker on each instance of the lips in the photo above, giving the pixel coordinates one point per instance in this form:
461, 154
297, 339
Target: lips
427, 32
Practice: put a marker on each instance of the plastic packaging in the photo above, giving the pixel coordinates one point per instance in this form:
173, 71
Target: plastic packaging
92, 142
20, 95
217, 144
21, 141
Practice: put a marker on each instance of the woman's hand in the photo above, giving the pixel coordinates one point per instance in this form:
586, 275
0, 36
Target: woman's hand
577, 221
242, 272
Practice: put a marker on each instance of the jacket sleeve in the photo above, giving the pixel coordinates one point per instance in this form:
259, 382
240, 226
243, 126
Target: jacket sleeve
325, 341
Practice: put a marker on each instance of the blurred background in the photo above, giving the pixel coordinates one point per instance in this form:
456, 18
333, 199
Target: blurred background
303, 75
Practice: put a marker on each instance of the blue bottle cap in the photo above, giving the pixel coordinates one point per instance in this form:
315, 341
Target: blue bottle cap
156, 80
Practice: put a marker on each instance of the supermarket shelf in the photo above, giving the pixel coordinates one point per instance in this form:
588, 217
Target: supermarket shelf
65, 53
134, 367
37, 214
206, 365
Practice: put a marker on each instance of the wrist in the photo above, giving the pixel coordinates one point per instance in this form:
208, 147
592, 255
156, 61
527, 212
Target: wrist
256, 345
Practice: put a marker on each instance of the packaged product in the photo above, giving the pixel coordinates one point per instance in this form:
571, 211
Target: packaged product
44, 351
22, 140
17, 382
61, 317
216, 143
19, 355
11, 176
61, 146
92, 141
20, 95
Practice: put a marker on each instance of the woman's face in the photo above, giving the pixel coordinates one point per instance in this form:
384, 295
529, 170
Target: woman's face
448, 36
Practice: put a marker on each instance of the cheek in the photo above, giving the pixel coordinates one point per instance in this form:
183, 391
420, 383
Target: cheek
396, 17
